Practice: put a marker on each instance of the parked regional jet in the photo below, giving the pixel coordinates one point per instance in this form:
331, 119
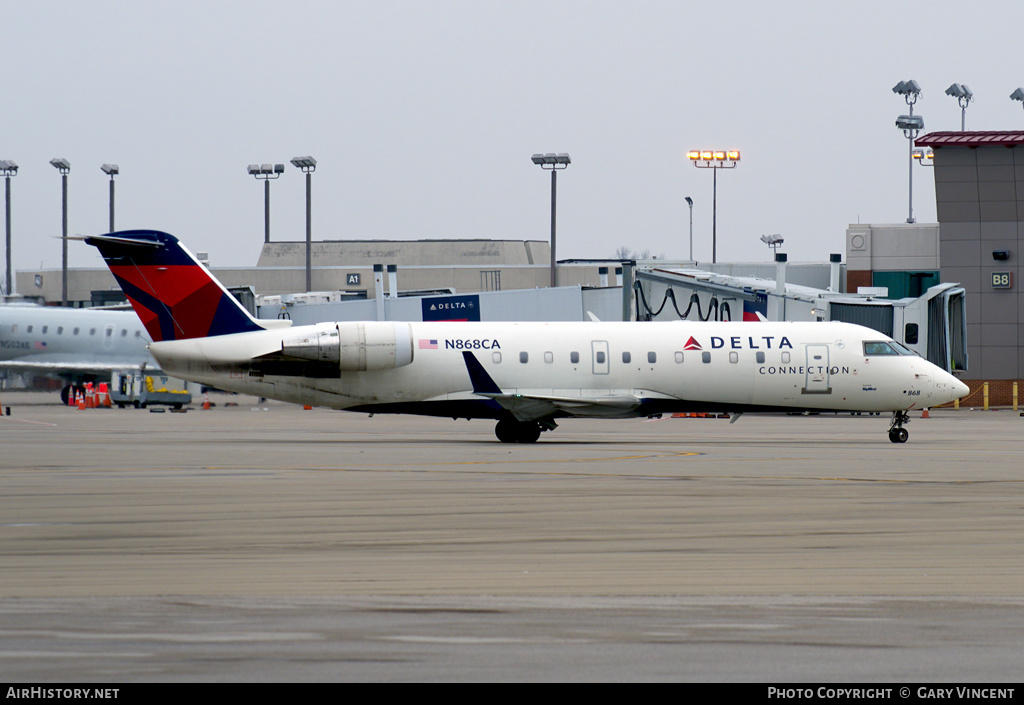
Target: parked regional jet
76, 344
523, 375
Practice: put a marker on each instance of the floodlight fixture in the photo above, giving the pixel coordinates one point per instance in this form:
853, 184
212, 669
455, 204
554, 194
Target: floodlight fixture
551, 160
910, 122
714, 159
773, 241
61, 165
8, 167
908, 89
963, 96
1018, 95
924, 156
553, 163
306, 164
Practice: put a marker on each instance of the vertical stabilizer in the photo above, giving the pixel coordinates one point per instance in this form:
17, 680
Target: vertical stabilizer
173, 294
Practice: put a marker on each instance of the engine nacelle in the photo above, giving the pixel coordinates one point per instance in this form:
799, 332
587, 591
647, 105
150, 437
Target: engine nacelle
356, 347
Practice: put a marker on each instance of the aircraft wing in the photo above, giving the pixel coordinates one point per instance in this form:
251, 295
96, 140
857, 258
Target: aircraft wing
527, 406
68, 367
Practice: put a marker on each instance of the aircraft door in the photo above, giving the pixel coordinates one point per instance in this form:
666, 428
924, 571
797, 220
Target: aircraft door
599, 354
817, 379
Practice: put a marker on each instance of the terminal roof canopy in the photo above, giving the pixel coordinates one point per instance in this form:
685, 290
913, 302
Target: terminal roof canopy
971, 139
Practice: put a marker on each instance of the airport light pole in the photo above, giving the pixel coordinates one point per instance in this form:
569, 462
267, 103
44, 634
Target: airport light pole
308, 166
911, 125
715, 160
689, 202
963, 96
553, 163
111, 170
64, 167
9, 169
266, 172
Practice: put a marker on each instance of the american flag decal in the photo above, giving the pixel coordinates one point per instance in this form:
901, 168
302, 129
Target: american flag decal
428, 344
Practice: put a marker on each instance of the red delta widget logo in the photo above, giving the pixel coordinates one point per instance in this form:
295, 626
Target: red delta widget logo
739, 342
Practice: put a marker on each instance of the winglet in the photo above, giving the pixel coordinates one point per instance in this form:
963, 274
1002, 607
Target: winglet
482, 382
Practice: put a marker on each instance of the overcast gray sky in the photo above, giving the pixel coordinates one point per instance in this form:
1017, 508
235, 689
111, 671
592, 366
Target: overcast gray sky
423, 115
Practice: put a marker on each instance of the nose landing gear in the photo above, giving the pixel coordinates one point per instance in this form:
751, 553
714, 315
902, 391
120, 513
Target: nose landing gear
898, 434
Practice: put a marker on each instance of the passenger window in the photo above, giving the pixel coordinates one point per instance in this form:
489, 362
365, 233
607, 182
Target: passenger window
705, 357
124, 332
45, 328
785, 358
549, 357
679, 356
652, 357
734, 357
60, 330
496, 356
760, 357
29, 329
574, 357
524, 357
599, 357
75, 331
626, 357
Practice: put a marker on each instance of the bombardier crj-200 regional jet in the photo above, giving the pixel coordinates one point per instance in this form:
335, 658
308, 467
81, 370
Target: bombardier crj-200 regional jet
524, 375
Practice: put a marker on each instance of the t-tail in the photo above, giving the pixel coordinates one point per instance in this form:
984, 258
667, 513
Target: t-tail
173, 294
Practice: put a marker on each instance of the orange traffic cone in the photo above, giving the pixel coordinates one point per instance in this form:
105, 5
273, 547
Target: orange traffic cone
924, 414
104, 397
80, 400
206, 401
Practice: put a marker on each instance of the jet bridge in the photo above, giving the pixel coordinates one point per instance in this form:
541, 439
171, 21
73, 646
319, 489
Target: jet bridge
933, 325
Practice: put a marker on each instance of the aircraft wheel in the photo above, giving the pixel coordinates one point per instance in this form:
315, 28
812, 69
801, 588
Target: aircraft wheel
898, 435
510, 431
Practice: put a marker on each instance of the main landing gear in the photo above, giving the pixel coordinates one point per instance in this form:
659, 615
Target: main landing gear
512, 431
898, 434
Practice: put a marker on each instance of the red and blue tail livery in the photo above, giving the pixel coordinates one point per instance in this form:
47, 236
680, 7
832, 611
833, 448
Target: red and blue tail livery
173, 294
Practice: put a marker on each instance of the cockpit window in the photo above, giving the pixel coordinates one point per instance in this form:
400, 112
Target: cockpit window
886, 347
879, 348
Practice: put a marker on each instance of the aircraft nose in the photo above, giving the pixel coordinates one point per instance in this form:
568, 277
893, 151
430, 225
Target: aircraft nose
960, 390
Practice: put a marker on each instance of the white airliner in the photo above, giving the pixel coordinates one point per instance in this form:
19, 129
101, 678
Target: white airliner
524, 375
76, 344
